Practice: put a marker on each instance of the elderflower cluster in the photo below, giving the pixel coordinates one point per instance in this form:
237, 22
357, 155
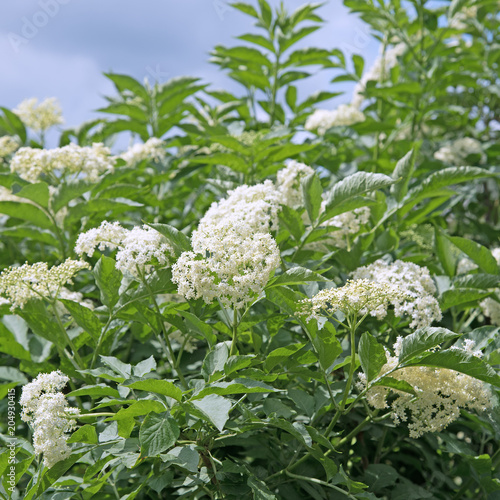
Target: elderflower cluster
322, 119
379, 70
256, 206
8, 145
490, 306
36, 281
40, 117
187, 343
457, 152
416, 286
138, 248
231, 262
153, 149
45, 408
91, 162
357, 297
460, 20
288, 183
439, 393
347, 224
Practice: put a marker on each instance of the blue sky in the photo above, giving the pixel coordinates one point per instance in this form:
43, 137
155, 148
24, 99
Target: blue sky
61, 47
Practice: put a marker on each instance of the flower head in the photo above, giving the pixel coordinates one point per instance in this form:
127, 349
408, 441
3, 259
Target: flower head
415, 284
8, 145
322, 120
153, 149
288, 183
47, 411
41, 116
36, 281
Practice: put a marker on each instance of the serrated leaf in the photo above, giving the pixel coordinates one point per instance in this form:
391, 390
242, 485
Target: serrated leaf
402, 174
39, 193
145, 366
163, 387
477, 252
447, 254
327, 345
96, 391
121, 368
84, 434
138, 408
352, 186
215, 360
399, 385
422, 340
158, 432
458, 296
371, 355
236, 386
84, 317
26, 211
460, 361
281, 354
108, 280
215, 408
312, 191
295, 276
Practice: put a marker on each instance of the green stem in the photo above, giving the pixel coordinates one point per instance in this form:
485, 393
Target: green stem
74, 351
95, 415
232, 352
100, 340
318, 481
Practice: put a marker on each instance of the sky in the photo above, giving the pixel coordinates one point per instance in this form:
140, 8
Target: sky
60, 48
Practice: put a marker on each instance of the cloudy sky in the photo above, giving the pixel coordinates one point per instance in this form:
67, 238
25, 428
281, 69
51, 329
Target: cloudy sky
61, 47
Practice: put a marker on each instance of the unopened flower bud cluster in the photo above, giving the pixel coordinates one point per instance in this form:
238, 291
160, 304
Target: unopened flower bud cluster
457, 152
45, 408
288, 183
153, 149
138, 248
440, 393
88, 162
322, 120
36, 281
40, 117
8, 145
356, 298
415, 284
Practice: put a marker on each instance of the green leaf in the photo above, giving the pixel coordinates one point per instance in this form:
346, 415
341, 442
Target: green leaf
422, 340
285, 298
125, 82
138, 408
358, 63
292, 220
371, 355
235, 363
157, 386
42, 322
96, 391
352, 186
26, 211
145, 366
108, 280
258, 40
281, 354
10, 345
291, 97
398, 385
230, 160
259, 489
14, 124
312, 190
327, 345
402, 174
266, 13
84, 434
215, 409
246, 8
158, 432
195, 325
184, 456
67, 192
236, 386
446, 252
295, 276
215, 360
462, 296
460, 361
480, 280
119, 367
39, 193
84, 317
477, 252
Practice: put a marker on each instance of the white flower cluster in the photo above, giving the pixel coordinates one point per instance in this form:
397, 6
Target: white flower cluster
8, 145
138, 248
182, 340
46, 409
356, 298
490, 306
90, 162
458, 151
460, 20
288, 183
153, 149
231, 261
415, 284
256, 206
347, 223
36, 281
440, 393
379, 70
41, 116
322, 119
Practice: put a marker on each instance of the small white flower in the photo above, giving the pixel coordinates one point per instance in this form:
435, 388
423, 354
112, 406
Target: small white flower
153, 149
345, 115
288, 183
40, 117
